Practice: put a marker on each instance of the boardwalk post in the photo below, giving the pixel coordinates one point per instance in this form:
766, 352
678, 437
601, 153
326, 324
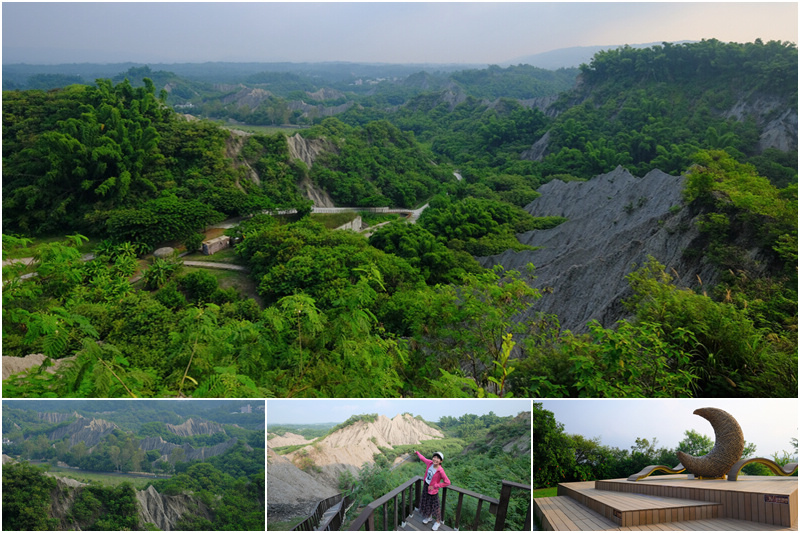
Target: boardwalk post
394, 524
404, 510
477, 516
502, 508
458, 510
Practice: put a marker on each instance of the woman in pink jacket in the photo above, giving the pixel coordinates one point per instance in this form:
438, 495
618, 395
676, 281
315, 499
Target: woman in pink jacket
435, 478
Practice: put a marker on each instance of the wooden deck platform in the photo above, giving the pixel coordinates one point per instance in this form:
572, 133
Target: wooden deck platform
414, 523
672, 503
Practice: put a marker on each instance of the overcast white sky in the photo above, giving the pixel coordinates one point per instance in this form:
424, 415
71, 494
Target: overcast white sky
301, 411
413, 32
769, 423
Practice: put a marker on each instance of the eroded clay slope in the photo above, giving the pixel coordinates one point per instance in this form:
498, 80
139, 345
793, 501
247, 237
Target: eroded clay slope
614, 221
195, 427
350, 447
290, 491
165, 510
287, 439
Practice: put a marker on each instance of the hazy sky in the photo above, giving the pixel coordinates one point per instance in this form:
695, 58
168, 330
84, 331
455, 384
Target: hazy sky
768, 423
314, 411
413, 32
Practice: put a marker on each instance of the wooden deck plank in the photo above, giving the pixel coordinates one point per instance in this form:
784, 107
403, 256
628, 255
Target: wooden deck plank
565, 514
713, 524
683, 510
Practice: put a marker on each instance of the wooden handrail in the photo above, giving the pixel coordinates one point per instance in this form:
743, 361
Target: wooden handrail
493, 504
334, 523
505, 497
497, 507
367, 515
313, 519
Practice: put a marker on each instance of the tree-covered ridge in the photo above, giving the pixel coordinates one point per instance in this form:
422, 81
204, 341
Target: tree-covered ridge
480, 138
753, 67
519, 82
375, 165
228, 487
221, 500
655, 107
119, 448
90, 158
133, 414
27, 494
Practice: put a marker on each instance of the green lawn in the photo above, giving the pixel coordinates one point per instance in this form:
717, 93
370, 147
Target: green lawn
545, 493
264, 130
227, 255
333, 220
229, 278
97, 477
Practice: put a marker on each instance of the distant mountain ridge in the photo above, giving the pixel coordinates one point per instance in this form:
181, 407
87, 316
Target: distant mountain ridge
572, 56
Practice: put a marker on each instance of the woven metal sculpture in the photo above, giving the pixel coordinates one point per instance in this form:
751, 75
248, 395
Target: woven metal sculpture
728, 446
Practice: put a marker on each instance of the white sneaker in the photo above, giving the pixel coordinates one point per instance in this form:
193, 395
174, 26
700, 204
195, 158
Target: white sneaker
435, 526
426, 520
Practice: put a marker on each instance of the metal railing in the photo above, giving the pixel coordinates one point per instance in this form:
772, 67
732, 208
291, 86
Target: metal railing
409, 493
310, 523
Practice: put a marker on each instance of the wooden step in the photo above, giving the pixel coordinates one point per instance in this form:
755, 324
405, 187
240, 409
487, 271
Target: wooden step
562, 513
630, 509
765, 499
672, 502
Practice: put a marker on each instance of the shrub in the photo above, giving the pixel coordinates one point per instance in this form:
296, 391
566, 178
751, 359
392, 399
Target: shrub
194, 242
199, 286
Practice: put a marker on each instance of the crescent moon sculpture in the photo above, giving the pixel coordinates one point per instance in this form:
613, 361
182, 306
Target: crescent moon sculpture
728, 446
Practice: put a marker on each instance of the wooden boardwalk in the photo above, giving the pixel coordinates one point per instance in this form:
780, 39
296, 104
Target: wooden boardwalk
414, 523
672, 503
329, 514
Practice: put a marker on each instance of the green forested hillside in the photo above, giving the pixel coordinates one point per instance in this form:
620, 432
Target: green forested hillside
408, 311
655, 107
98, 459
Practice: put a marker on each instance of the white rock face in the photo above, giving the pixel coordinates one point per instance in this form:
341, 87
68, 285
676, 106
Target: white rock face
349, 448
91, 432
195, 427
287, 439
163, 510
14, 365
192, 453
57, 418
